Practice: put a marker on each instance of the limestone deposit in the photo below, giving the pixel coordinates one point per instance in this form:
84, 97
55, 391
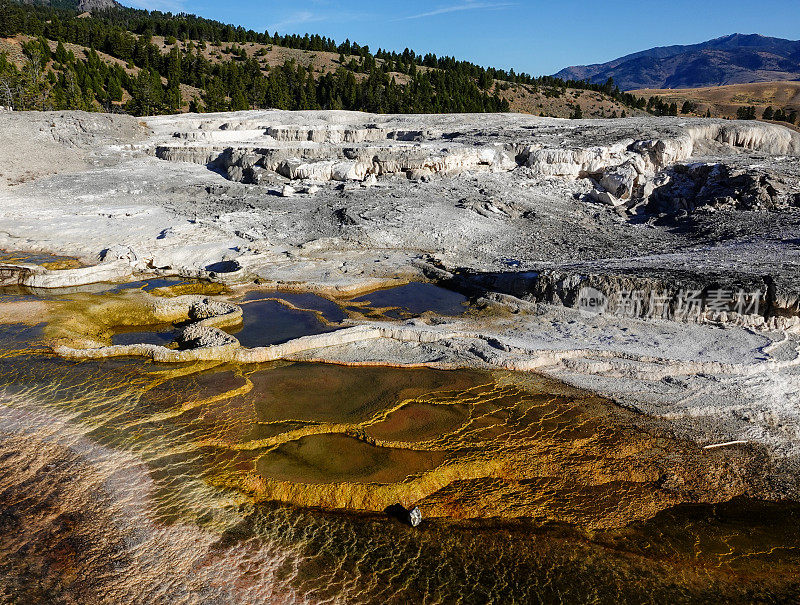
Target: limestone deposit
519, 213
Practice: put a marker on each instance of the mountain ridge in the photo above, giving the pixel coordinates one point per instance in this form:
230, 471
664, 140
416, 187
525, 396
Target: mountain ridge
731, 59
81, 5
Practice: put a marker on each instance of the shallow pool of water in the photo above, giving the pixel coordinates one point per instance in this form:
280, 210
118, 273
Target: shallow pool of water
413, 299
341, 394
128, 480
17, 292
269, 322
153, 335
52, 261
147, 284
328, 309
331, 458
418, 421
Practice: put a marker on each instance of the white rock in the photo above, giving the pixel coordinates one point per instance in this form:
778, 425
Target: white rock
604, 197
620, 181
119, 252
415, 516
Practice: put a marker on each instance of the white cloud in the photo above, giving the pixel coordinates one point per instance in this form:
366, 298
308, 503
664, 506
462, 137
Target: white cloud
298, 18
166, 6
466, 6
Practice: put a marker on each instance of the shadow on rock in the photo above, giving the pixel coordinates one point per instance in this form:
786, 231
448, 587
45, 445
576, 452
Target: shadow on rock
412, 517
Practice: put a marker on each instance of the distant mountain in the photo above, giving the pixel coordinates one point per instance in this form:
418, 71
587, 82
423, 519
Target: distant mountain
81, 5
734, 59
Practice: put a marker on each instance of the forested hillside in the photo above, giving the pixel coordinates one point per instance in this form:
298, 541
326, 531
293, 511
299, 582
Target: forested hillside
149, 62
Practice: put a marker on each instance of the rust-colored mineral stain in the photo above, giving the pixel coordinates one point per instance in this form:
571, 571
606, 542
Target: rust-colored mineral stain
334, 393
588, 486
419, 421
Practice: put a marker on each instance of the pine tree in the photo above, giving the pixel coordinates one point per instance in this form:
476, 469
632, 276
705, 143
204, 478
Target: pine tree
239, 101
214, 98
61, 53
34, 86
147, 94
172, 99
688, 107
10, 20
746, 113
114, 89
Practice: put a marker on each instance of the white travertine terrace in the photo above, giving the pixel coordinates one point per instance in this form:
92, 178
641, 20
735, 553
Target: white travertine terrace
346, 146
501, 206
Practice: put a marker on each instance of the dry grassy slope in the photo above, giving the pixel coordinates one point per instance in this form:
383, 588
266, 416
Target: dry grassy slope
723, 101
523, 99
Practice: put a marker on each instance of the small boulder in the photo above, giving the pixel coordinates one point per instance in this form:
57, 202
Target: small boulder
604, 197
412, 517
118, 252
419, 175
288, 191
620, 181
235, 173
198, 336
206, 308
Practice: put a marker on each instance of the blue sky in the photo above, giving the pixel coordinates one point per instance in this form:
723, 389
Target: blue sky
536, 36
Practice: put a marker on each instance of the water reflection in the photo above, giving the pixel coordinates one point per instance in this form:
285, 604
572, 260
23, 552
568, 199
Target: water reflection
411, 299
269, 322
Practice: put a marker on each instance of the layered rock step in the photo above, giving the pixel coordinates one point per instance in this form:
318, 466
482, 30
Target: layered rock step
625, 160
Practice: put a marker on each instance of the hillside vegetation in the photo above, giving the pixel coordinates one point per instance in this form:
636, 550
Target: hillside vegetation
774, 101
149, 62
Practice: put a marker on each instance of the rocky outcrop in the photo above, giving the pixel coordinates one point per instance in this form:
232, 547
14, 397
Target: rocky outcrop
628, 169
198, 336
673, 295
357, 165
624, 164
690, 187
575, 162
620, 176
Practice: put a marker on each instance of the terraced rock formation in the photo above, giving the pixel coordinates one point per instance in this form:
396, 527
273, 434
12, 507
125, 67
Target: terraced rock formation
519, 213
